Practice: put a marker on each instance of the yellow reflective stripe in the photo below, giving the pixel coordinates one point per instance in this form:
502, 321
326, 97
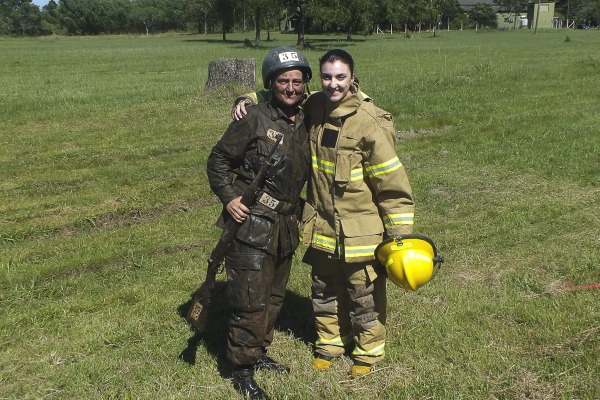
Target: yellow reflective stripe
377, 351
384, 168
324, 241
359, 251
337, 341
325, 166
399, 219
329, 168
356, 174
348, 251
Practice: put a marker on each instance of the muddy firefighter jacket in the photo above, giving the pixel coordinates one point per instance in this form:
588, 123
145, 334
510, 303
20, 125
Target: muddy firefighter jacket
240, 153
358, 190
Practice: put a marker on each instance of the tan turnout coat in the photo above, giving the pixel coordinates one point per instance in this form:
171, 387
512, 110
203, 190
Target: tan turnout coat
358, 189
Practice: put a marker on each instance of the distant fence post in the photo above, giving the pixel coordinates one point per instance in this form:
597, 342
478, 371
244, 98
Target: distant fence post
231, 71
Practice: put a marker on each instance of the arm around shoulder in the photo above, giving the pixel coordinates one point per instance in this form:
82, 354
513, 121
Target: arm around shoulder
247, 100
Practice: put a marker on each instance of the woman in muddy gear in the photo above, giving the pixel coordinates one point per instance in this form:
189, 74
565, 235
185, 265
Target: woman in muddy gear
259, 260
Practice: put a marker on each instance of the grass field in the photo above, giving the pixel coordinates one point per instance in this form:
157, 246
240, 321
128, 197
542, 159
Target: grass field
106, 218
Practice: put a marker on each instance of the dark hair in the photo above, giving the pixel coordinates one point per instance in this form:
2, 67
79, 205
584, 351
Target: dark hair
338, 55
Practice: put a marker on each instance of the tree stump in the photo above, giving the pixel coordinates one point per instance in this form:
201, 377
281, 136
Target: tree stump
231, 71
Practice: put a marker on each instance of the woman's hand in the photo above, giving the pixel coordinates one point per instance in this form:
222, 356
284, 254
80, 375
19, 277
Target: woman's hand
237, 210
239, 111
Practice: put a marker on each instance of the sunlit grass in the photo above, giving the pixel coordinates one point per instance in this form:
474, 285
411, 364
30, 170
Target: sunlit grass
106, 218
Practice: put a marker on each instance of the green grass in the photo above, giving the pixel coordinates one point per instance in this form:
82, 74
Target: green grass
106, 218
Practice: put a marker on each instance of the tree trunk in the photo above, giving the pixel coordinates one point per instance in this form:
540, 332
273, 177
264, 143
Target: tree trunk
257, 25
300, 29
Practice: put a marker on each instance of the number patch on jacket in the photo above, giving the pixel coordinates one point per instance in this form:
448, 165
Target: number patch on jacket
268, 201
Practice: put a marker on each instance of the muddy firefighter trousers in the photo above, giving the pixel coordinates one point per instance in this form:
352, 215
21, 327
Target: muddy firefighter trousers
256, 283
349, 301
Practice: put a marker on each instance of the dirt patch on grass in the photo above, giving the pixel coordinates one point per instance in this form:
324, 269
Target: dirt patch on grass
120, 262
419, 132
119, 219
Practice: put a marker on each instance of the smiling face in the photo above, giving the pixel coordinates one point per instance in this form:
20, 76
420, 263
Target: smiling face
336, 79
288, 87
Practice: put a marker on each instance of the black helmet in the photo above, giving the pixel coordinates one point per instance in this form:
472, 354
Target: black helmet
281, 58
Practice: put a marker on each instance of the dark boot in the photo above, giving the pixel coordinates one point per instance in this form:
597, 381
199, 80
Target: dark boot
268, 364
243, 381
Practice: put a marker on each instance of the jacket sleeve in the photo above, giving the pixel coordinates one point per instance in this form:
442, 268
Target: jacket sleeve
388, 178
225, 156
254, 98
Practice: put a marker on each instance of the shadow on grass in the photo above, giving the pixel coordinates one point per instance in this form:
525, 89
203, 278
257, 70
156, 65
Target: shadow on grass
246, 44
310, 44
296, 318
214, 338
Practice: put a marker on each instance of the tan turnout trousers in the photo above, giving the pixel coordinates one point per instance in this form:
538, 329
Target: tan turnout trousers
349, 301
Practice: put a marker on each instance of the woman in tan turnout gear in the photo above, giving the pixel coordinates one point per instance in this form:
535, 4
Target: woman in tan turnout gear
358, 193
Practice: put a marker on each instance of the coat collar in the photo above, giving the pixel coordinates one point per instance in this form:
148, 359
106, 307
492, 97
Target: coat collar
348, 105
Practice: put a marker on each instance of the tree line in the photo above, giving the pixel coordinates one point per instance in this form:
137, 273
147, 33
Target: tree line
94, 17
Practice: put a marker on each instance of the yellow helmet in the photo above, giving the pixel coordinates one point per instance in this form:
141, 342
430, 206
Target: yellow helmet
410, 260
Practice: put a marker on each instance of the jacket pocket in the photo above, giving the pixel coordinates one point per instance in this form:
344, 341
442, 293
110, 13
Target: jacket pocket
256, 231
307, 224
348, 167
361, 236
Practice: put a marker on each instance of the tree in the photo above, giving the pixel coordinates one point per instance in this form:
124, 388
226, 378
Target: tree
594, 11
349, 15
27, 19
20, 17
483, 15
148, 16
418, 13
93, 17
259, 10
513, 7
582, 11
51, 17
450, 10
199, 11
391, 12
298, 8
225, 12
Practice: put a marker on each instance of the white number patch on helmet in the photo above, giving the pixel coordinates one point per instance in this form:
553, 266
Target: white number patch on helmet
288, 56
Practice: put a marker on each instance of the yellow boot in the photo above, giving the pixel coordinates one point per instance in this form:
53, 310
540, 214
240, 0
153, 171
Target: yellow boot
360, 368
321, 362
